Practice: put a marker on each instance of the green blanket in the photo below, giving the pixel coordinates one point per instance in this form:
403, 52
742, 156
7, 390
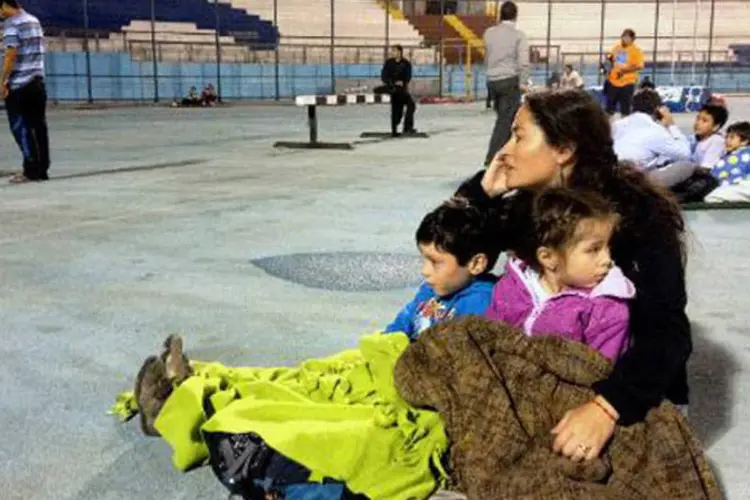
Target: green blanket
340, 417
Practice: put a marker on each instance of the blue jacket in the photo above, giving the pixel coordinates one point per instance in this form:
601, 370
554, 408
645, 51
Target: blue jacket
428, 309
734, 167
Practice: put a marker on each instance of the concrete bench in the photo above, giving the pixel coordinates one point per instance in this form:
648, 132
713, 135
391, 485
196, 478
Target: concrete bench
313, 101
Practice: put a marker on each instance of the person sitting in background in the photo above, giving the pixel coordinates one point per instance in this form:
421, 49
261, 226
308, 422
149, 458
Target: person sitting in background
396, 75
650, 139
192, 99
733, 170
707, 144
571, 79
209, 96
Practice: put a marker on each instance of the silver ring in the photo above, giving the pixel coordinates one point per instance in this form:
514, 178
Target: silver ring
584, 449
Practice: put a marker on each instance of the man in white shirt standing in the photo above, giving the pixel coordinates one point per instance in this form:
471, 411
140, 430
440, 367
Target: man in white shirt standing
650, 139
507, 60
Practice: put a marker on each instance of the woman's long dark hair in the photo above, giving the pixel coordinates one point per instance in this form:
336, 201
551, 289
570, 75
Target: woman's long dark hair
573, 118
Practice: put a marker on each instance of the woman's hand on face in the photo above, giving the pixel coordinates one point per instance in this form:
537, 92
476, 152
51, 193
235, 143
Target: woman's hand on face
495, 180
666, 117
584, 431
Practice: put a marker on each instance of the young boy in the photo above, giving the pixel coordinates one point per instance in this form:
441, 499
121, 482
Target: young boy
458, 257
707, 145
733, 169
734, 166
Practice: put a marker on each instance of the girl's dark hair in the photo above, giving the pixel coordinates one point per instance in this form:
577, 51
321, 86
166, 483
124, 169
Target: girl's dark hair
741, 129
555, 220
574, 119
461, 229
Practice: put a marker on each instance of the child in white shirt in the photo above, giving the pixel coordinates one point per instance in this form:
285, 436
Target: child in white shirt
707, 145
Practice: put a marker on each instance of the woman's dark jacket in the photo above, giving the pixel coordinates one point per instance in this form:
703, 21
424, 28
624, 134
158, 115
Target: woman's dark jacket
654, 367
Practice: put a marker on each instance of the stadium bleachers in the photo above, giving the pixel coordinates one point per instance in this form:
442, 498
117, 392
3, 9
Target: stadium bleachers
360, 26
361, 19
108, 16
575, 26
185, 29
186, 33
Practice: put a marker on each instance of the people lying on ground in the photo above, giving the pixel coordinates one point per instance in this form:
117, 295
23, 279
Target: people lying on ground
564, 138
562, 280
733, 170
707, 144
649, 137
457, 259
571, 79
209, 96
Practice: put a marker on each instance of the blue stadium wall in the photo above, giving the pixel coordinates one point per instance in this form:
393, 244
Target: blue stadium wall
115, 76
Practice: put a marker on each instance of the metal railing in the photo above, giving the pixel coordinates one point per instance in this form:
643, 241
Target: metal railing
348, 40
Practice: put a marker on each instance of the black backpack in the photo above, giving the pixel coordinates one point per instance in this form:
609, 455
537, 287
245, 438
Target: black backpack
252, 470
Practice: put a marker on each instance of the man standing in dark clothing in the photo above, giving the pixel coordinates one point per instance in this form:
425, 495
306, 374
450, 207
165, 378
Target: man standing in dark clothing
507, 60
23, 89
396, 76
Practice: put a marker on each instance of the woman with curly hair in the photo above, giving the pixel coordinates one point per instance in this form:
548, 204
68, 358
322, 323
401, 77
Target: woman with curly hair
563, 138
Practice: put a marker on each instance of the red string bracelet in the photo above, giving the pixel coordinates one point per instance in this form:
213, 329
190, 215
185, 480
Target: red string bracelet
606, 411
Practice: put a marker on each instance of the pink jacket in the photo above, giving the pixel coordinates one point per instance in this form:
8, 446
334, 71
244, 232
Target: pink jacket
597, 317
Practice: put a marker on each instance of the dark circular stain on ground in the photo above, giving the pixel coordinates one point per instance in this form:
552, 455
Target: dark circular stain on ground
345, 271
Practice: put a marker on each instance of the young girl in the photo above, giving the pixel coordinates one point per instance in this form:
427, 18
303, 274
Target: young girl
561, 280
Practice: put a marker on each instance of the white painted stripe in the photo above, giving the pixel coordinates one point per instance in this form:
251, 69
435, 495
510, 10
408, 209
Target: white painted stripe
332, 100
304, 100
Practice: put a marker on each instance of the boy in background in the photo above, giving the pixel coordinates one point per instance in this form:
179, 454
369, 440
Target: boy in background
733, 170
707, 145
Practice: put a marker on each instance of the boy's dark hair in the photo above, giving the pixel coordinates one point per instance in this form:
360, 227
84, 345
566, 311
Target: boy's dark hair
646, 101
555, 217
508, 11
741, 129
11, 3
461, 229
646, 83
628, 32
719, 114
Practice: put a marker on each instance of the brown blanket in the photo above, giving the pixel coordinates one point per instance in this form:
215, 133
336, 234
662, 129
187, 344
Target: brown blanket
501, 392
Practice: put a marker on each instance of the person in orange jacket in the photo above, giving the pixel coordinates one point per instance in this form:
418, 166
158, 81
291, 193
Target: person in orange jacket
626, 60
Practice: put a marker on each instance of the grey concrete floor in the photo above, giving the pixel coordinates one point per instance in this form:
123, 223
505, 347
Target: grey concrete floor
259, 257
